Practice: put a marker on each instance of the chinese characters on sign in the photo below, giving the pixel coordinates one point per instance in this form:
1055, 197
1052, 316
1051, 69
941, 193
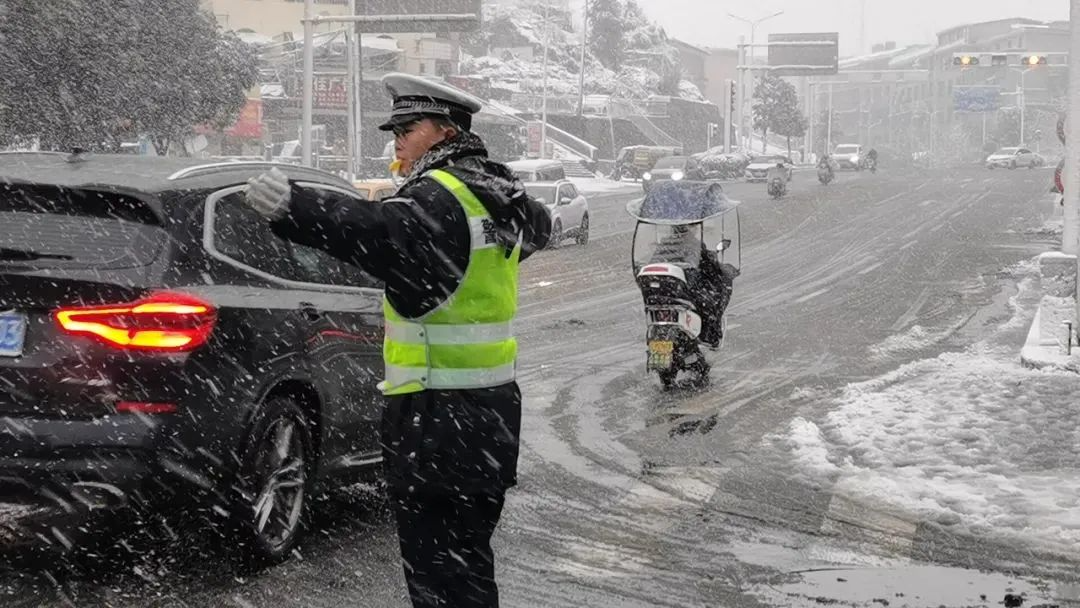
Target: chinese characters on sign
330, 93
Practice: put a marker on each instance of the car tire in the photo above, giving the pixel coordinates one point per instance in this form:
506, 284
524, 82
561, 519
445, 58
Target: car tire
556, 235
583, 231
271, 506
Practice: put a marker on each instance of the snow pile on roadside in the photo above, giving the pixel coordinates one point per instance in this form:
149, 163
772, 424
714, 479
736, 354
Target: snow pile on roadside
915, 339
969, 440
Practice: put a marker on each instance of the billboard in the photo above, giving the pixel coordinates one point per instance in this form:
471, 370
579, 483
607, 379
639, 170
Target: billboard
404, 14
976, 98
814, 54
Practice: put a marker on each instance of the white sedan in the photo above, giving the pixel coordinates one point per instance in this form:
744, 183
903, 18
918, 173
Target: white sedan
569, 210
759, 167
1011, 158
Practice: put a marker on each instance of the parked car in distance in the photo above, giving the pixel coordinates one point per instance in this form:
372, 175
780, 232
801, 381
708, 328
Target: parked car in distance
759, 167
537, 170
569, 210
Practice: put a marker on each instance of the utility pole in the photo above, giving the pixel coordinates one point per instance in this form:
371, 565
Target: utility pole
1071, 196
728, 112
308, 79
309, 82
353, 46
544, 101
862, 28
743, 61
740, 90
584, 43
358, 86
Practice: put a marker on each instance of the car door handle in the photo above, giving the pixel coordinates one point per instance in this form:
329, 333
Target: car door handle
309, 311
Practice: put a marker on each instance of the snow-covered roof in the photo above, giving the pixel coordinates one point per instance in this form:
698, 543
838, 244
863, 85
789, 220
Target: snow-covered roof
911, 55
1020, 20
254, 38
381, 43
850, 62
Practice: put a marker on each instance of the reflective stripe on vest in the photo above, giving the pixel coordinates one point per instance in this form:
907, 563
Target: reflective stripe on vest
467, 342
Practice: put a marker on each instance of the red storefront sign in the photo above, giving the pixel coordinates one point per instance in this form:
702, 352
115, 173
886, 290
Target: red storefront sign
249, 124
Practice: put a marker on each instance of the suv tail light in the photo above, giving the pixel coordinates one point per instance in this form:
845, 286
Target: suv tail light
163, 322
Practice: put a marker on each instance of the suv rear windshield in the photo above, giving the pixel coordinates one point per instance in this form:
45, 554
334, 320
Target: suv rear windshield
46, 226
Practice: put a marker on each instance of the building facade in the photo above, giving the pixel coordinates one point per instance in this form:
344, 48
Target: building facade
904, 98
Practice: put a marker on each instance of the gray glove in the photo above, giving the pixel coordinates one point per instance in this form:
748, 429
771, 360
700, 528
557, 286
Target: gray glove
269, 194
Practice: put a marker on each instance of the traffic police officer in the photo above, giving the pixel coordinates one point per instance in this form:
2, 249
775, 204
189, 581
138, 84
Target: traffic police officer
447, 247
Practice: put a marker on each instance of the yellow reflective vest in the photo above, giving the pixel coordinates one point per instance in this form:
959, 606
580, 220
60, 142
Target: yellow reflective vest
466, 342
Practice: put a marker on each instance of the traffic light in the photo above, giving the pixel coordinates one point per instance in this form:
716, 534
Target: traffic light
733, 102
965, 61
1033, 60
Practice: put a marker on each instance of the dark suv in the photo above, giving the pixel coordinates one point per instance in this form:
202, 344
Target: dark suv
158, 342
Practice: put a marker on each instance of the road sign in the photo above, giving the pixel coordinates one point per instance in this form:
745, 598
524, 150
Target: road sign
804, 54
403, 8
536, 135
976, 98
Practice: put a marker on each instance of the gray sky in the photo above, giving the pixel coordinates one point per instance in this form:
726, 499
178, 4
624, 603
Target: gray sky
705, 22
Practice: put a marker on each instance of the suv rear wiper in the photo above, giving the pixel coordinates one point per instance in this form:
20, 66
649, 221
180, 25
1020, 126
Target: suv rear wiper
26, 255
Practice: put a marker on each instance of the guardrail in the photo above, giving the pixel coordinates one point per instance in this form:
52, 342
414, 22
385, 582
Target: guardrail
572, 142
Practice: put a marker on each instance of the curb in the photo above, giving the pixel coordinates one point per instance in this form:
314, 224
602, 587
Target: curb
1040, 356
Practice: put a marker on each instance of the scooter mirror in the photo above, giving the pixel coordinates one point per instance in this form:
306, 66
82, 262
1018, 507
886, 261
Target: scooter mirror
723, 245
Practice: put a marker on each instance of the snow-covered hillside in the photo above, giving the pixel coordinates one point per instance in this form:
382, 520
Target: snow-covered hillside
508, 51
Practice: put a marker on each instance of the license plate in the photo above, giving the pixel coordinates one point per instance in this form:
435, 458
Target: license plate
661, 347
661, 354
12, 334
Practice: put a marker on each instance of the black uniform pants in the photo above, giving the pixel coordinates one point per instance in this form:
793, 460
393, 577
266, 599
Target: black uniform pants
446, 548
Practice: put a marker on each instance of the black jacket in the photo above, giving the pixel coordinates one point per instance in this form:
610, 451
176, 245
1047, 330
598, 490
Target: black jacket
417, 243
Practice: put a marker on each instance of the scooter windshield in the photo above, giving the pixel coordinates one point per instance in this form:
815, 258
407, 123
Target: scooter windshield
668, 244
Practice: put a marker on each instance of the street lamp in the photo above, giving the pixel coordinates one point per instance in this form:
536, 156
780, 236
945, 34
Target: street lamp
753, 23
753, 26
1021, 100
